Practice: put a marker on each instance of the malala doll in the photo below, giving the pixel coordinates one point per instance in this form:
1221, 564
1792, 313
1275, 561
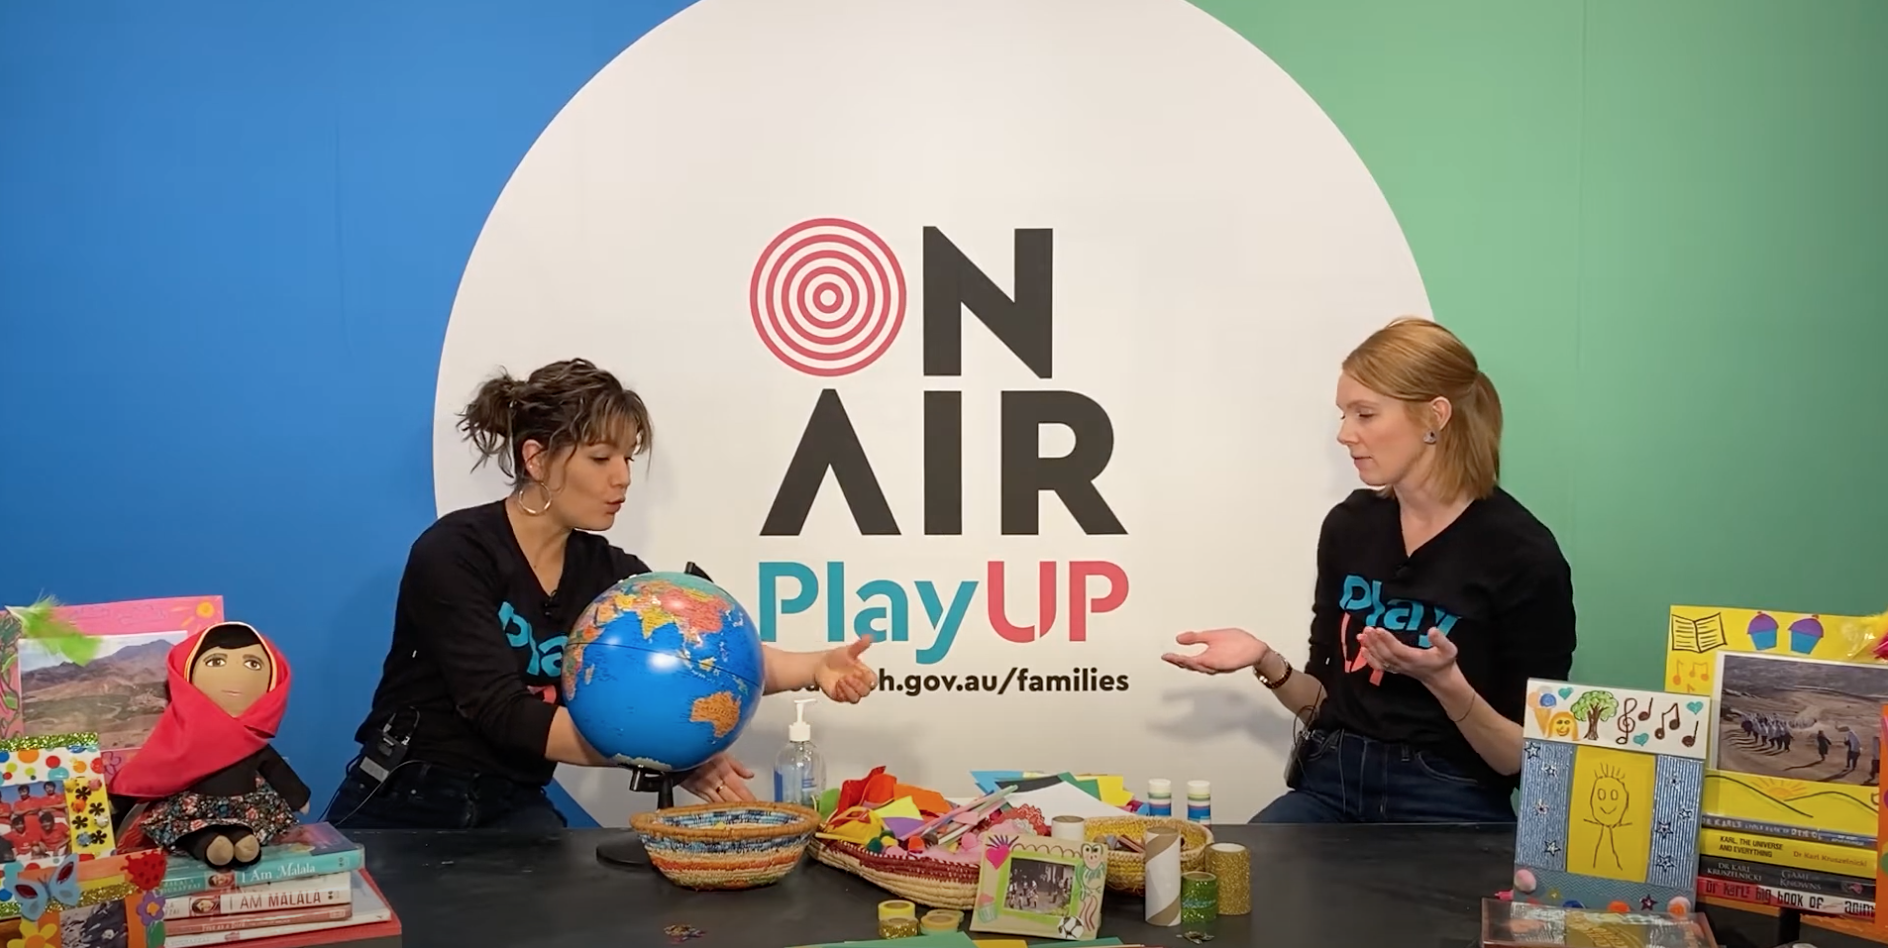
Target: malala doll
208, 781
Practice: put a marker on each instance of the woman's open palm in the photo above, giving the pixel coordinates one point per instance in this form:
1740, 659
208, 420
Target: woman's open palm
1227, 650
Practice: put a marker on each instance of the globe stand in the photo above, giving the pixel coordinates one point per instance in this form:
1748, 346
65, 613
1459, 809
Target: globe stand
627, 849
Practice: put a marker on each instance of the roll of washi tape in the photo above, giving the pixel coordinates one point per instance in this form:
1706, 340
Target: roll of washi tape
941, 921
1232, 863
897, 918
1199, 801
1162, 871
1159, 797
1199, 897
1072, 828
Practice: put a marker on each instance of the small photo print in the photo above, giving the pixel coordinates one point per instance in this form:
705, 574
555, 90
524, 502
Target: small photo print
33, 824
1801, 719
1040, 887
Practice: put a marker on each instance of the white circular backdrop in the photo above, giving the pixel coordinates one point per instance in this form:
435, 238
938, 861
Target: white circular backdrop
1218, 248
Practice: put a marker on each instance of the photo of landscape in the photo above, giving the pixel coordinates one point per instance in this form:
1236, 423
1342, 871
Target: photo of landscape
119, 693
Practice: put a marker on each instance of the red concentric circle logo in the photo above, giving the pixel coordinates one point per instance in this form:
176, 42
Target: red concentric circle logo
828, 297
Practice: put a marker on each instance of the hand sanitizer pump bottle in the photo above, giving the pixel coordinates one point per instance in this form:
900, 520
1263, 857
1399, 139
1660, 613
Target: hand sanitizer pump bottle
799, 771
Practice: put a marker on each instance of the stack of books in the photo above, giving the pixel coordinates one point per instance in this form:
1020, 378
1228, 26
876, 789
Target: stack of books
310, 887
1767, 867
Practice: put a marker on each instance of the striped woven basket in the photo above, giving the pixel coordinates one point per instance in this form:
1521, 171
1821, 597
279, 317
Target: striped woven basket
928, 882
726, 846
1127, 869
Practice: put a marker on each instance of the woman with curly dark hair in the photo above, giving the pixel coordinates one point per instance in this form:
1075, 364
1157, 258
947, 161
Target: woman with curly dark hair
466, 728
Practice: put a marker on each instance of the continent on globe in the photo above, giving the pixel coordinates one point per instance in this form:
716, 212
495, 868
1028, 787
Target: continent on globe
663, 671
695, 614
722, 710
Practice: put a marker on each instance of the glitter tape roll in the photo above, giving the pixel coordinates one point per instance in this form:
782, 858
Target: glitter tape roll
897, 918
941, 921
1072, 828
1232, 863
1199, 897
1162, 870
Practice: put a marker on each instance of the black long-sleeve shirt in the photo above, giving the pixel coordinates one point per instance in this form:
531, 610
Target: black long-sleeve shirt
478, 644
1494, 580
240, 778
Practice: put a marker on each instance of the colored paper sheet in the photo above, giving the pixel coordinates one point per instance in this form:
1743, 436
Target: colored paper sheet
1087, 783
944, 940
928, 801
1113, 790
901, 807
990, 781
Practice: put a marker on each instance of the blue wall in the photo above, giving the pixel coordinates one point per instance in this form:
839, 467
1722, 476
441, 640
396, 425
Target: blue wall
230, 235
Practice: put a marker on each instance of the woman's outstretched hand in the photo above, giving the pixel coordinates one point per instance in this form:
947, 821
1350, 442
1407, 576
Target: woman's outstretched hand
842, 676
1227, 650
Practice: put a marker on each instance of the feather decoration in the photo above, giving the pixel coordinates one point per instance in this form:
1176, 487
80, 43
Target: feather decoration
40, 622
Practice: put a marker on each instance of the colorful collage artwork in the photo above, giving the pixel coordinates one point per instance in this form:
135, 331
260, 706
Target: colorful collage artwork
1789, 751
119, 693
1610, 781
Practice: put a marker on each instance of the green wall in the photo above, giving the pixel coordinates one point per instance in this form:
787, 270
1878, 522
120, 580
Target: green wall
1661, 226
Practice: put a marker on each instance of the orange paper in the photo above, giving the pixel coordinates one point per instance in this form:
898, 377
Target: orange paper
930, 802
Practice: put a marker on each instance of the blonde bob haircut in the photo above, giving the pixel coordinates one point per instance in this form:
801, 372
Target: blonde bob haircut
1417, 361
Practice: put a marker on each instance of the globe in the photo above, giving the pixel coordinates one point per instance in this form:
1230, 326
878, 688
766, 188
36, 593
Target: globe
662, 671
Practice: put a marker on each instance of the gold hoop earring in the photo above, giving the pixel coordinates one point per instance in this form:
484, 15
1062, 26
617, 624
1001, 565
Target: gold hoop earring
518, 495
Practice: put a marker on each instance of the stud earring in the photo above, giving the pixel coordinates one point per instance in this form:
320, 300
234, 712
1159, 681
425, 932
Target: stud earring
1429, 438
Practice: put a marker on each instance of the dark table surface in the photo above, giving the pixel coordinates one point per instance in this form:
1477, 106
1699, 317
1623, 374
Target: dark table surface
1316, 886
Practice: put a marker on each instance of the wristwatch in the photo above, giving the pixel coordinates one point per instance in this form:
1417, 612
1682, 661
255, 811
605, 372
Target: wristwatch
1267, 681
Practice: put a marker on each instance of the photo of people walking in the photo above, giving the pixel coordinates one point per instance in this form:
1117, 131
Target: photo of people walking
1801, 719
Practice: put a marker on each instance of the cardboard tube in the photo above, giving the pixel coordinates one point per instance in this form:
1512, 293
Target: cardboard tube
1162, 872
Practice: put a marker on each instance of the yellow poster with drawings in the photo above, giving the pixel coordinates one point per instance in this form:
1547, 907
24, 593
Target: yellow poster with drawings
1785, 756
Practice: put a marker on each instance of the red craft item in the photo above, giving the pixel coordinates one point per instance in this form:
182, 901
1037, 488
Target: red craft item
874, 790
195, 738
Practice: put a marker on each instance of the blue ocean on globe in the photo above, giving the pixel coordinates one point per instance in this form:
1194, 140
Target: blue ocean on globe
663, 671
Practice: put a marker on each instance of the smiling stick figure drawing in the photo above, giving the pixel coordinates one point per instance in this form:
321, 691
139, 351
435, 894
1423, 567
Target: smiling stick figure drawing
1609, 808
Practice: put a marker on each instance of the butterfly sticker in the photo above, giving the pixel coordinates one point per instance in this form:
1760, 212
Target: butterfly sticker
32, 898
65, 881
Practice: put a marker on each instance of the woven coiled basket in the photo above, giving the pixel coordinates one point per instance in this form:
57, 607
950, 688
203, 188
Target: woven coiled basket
1127, 871
726, 845
928, 882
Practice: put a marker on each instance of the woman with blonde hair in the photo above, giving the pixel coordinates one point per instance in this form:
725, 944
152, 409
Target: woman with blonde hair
1438, 596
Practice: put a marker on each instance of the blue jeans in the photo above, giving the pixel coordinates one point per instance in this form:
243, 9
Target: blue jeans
1349, 778
420, 795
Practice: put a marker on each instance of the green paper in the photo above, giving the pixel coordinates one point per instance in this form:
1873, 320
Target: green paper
828, 802
941, 940
1090, 787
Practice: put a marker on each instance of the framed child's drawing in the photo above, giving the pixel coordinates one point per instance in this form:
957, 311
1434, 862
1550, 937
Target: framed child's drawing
1610, 786
1041, 887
